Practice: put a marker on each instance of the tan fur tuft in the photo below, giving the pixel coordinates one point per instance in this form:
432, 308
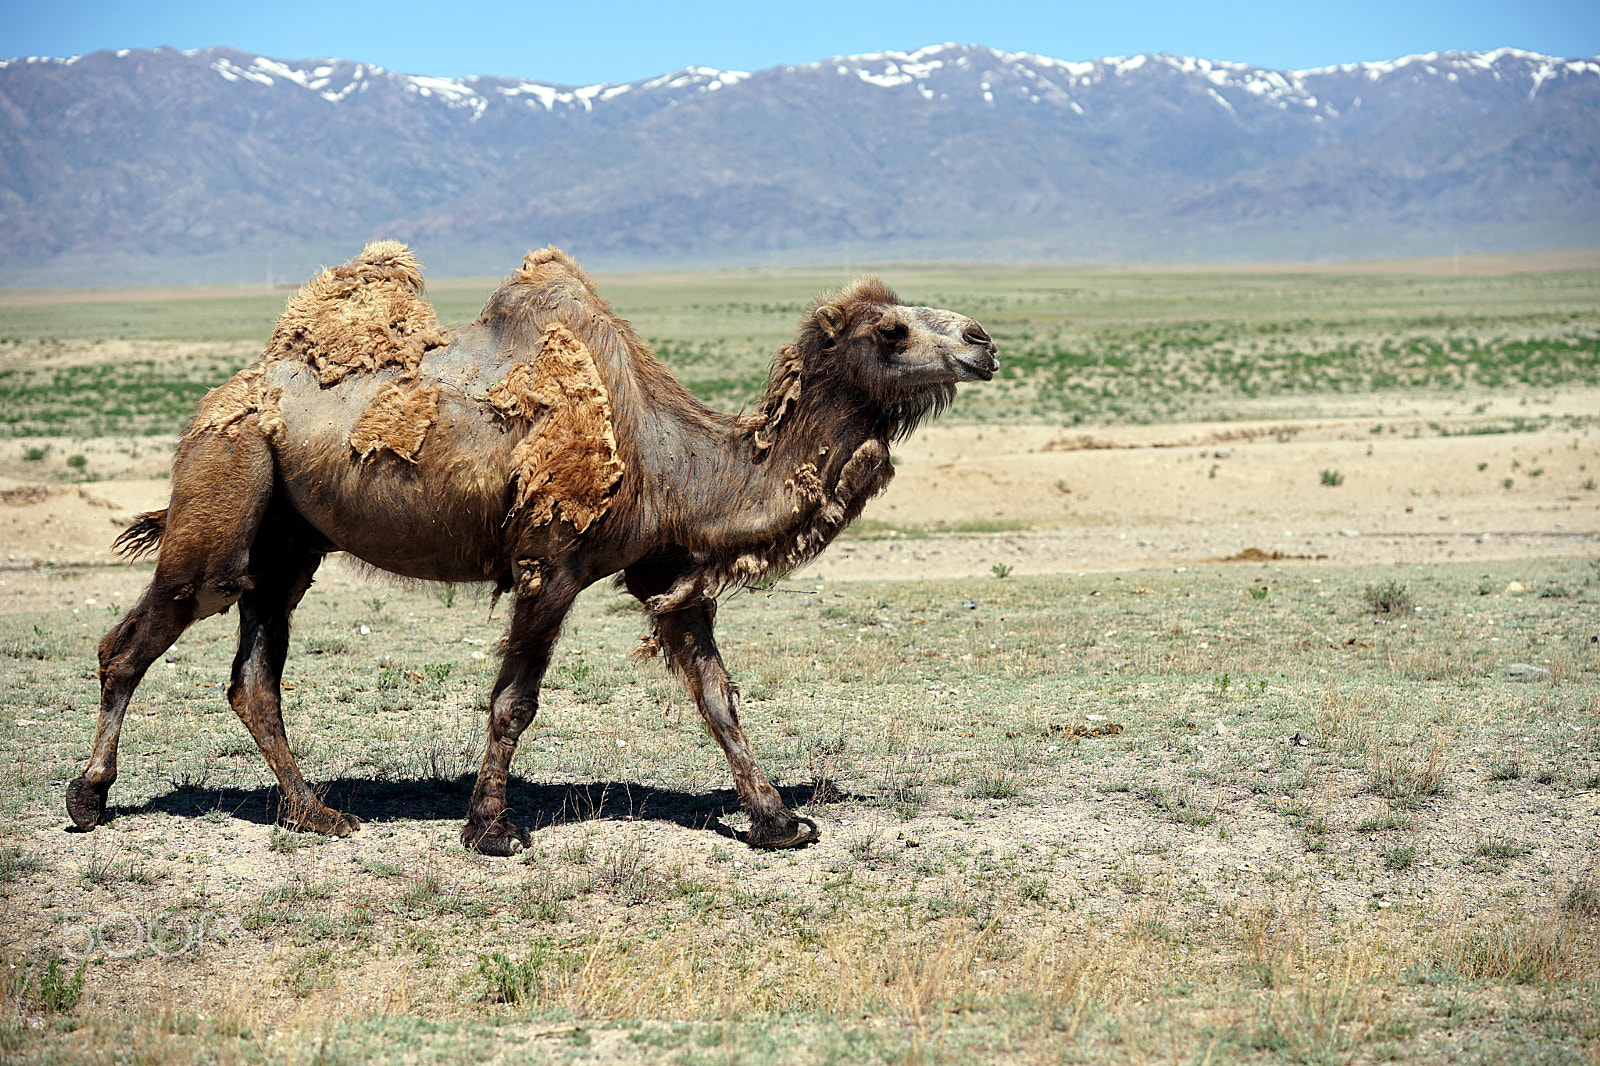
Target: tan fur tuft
396, 420
225, 408
369, 313
568, 457
549, 263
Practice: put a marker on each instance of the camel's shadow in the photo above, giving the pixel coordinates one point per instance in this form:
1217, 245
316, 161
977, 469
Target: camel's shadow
532, 805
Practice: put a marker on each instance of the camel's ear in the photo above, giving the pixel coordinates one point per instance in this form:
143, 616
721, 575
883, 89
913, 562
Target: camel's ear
831, 319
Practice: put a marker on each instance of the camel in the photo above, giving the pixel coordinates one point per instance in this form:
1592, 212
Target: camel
539, 449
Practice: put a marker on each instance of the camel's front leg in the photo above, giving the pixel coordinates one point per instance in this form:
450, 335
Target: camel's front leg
686, 637
535, 624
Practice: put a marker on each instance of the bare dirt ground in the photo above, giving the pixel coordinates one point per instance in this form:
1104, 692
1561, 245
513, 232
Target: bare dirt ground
1090, 850
1043, 499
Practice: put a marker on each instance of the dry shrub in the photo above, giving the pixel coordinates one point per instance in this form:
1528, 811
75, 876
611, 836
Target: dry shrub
1338, 717
1402, 781
857, 968
1325, 992
1388, 597
1561, 944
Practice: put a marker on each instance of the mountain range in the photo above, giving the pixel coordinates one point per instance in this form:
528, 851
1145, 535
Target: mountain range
220, 166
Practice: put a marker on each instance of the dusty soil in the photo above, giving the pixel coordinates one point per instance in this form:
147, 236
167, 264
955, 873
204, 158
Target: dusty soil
1055, 500
1047, 499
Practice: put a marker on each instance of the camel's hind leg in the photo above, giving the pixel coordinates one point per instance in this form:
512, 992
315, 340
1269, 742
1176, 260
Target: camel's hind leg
535, 624
144, 633
285, 558
220, 488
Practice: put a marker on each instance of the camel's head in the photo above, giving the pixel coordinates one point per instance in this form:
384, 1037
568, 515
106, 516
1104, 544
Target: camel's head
905, 360
894, 348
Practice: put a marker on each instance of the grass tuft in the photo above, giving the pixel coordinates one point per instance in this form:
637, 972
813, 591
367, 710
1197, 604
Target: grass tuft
1388, 597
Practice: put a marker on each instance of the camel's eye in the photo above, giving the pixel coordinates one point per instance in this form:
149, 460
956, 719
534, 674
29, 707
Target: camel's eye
893, 332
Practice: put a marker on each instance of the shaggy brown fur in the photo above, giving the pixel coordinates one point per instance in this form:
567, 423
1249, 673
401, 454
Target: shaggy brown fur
396, 420
569, 454
367, 314
539, 449
246, 395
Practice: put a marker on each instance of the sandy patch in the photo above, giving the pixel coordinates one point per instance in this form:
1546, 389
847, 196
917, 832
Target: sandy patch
1041, 499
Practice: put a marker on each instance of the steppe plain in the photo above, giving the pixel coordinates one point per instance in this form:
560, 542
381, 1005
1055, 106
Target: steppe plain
1159, 711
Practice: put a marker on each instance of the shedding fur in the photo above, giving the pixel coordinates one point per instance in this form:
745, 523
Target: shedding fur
368, 314
225, 409
865, 474
397, 420
529, 577
546, 407
783, 392
568, 457
806, 484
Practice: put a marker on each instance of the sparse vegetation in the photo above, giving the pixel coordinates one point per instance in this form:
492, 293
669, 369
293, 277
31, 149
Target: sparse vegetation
942, 871
1388, 597
57, 990
1194, 886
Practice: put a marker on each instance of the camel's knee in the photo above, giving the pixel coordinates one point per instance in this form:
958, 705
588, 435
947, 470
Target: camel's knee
509, 717
216, 594
149, 629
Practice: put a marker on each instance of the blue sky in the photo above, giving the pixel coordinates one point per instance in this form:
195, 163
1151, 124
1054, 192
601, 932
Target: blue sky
580, 43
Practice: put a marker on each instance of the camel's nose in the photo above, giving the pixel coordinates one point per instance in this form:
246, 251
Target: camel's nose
975, 334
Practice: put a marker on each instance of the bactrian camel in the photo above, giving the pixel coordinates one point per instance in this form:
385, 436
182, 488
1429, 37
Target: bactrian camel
539, 449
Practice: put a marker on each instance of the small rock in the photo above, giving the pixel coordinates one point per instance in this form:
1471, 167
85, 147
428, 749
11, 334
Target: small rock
1516, 586
1300, 740
1525, 672
1218, 729
969, 605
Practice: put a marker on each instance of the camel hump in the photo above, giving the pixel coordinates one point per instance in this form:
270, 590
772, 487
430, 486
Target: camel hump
364, 315
549, 287
386, 260
551, 265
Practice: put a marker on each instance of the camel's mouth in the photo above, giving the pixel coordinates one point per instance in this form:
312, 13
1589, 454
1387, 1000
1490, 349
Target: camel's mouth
976, 364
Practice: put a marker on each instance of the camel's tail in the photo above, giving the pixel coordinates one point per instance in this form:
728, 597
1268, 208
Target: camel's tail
143, 536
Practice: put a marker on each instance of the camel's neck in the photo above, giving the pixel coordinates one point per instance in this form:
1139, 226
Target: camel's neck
717, 485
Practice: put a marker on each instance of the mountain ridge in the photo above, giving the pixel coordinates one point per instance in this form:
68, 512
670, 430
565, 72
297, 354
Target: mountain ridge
197, 165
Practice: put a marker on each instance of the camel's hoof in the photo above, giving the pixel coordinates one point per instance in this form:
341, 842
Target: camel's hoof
328, 822
86, 803
789, 831
501, 837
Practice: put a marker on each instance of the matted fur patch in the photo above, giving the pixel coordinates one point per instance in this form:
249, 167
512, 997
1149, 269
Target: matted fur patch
783, 392
396, 420
364, 315
225, 408
569, 456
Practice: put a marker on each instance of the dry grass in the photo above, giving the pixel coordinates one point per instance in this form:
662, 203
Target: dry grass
990, 876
